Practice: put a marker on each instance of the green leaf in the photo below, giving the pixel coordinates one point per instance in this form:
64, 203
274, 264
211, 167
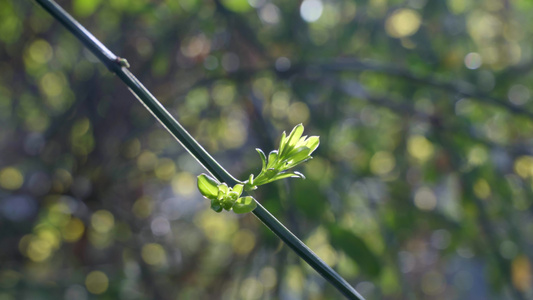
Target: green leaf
295, 135
294, 163
215, 205
263, 157
299, 153
312, 143
282, 143
297, 156
227, 203
301, 141
266, 177
355, 248
287, 175
249, 185
238, 189
244, 205
208, 186
251, 179
222, 191
272, 158
233, 196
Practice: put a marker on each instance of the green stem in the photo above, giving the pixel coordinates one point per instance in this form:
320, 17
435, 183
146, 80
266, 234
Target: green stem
115, 65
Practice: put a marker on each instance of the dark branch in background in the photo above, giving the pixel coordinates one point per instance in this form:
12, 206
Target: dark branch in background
398, 106
457, 87
244, 35
462, 88
119, 67
518, 70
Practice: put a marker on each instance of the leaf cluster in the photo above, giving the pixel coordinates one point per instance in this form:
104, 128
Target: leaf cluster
294, 149
224, 197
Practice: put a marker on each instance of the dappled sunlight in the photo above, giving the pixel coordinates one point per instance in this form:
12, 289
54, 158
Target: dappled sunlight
420, 148
97, 282
421, 187
11, 178
102, 221
403, 23
382, 163
311, 10
154, 254
425, 199
73, 230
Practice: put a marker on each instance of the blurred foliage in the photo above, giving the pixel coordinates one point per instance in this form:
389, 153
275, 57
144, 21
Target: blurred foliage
421, 188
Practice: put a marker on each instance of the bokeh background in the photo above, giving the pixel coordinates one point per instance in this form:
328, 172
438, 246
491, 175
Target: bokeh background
421, 188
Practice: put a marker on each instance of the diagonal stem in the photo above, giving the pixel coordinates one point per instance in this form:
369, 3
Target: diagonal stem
115, 65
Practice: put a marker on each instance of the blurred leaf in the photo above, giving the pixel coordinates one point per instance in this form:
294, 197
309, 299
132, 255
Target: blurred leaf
355, 248
308, 198
85, 8
237, 5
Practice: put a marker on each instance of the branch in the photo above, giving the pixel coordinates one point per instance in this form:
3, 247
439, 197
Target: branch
458, 87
